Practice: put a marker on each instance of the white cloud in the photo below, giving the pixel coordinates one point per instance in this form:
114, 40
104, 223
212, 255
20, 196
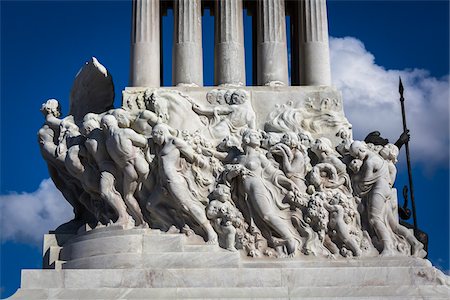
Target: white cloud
28, 216
370, 94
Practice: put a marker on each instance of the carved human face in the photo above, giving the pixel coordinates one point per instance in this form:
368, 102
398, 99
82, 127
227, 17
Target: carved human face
238, 97
51, 107
290, 139
389, 152
253, 138
355, 165
211, 97
122, 118
358, 150
89, 126
159, 135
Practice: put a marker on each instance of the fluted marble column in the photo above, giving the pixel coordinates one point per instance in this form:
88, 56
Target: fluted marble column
271, 43
145, 51
187, 63
313, 44
229, 53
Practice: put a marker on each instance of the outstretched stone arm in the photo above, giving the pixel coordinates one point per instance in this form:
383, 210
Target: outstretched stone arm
210, 111
137, 139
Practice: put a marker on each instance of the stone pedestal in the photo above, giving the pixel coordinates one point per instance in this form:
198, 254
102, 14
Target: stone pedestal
109, 263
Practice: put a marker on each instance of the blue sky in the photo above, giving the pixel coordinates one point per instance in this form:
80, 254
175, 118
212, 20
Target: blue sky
44, 44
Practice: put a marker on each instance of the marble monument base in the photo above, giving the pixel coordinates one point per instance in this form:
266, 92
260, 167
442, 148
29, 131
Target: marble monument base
148, 264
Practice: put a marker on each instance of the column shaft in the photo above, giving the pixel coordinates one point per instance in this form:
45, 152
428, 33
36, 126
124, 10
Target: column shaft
271, 43
313, 44
187, 63
145, 51
229, 53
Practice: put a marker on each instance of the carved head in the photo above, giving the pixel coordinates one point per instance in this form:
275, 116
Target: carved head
220, 98
389, 152
305, 139
211, 96
251, 137
51, 106
358, 150
322, 146
239, 97
123, 117
108, 122
355, 165
290, 139
222, 193
89, 125
160, 133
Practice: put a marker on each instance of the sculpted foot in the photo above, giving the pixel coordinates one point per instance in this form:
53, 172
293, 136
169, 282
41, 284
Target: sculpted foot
417, 250
291, 247
124, 222
388, 252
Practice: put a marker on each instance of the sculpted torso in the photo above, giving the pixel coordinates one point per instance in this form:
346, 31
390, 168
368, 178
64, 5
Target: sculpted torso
120, 146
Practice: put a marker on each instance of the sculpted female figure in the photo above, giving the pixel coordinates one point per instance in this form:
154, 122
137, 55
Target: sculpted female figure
169, 150
262, 186
373, 184
324, 151
295, 163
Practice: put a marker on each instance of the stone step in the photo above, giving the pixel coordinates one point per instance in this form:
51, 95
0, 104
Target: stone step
121, 244
157, 260
383, 292
228, 277
115, 231
376, 292
156, 293
315, 262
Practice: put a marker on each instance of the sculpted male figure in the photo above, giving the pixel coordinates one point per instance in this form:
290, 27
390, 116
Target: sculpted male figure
169, 150
123, 145
95, 145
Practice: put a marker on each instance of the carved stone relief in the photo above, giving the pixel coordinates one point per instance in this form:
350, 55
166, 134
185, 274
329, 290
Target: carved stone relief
200, 163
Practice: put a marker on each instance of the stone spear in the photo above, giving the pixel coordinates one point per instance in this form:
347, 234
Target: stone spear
408, 161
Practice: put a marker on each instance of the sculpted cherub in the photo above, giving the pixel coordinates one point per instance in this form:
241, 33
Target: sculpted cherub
338, 224
225, 217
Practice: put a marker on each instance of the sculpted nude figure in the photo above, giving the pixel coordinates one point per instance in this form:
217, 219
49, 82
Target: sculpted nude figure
373, 184
124, 146
95, 145
262, 188
169, 150
295, 163
337, 224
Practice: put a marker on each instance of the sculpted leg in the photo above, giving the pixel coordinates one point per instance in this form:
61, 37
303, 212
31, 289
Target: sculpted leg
129, 188
376, 213
113, 198
282, 228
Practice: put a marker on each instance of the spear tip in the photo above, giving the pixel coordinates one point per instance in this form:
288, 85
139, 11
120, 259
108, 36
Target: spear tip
400, 86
